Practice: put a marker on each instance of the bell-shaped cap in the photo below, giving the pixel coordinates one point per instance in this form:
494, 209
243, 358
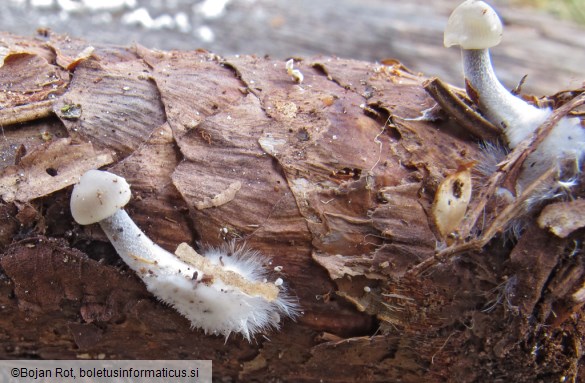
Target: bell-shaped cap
473, 25
97, 196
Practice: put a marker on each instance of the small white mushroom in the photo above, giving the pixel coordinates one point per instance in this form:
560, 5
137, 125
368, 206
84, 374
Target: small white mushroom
221, 293
476, 27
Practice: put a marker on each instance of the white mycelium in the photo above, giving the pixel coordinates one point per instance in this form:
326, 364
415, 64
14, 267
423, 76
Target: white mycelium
224, 291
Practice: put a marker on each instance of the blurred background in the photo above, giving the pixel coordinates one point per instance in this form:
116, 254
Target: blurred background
543, 39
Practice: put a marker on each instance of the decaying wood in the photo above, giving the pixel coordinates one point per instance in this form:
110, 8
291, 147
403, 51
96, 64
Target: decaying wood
334, 178
562, 218
511, 165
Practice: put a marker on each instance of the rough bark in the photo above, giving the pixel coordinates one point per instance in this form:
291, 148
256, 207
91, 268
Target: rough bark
337, 176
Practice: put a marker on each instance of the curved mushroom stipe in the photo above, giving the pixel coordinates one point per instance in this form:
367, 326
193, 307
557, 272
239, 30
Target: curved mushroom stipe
225, 292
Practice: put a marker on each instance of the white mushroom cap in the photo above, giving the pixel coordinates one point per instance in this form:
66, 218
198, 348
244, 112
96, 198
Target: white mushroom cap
473, 25
97, 196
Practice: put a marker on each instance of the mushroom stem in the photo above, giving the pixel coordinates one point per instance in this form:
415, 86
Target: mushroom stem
137, 250
515, 116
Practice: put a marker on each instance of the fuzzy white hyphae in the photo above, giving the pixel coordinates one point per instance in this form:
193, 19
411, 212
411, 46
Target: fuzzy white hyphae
222, 292
239, 298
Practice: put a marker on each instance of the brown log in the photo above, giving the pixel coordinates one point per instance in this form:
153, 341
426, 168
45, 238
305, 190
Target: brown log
337, 177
